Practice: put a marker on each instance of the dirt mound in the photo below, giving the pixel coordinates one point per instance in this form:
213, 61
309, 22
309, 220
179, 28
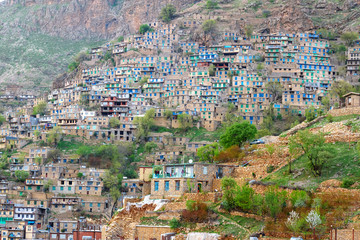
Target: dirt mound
330, 183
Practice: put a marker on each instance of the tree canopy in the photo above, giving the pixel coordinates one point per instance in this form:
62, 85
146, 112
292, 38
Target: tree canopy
238, 134
145, 28
144, 124
185, 121
114, 122
208, 152
313, 147
168, 13
40, 108
349, 37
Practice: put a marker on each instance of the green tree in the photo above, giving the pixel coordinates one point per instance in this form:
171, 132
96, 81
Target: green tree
150, 146
249, 29
2, 119
168, 114
238, 134
229, 188
37, 134
275, 201
212, 70
210, 5
21, 175
209, 27
185, 121
40, 108
84, 151
47, 185
244, 198
120, 39
313, 147
208, 152
326, 102
114, 122
275, 90
349, 37
340, 88
54, 155
145, 28
55, 135
144, 124
168, 13
38, 160
310, 114
112, 184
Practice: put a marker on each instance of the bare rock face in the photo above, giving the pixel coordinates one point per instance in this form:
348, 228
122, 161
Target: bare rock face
95, 19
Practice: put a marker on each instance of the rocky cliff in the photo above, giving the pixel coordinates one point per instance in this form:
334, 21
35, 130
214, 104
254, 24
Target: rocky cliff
80, 19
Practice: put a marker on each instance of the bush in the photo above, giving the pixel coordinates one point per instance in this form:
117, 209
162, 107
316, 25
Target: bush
329, 118
270, 169
347, 183
211, 4
168, 13
195, 212
310, 114
145, 28
266, 13
299, 199
174, 223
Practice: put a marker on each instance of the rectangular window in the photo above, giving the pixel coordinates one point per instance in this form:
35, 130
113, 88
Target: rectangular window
166, 186
156, 186
177, 185
205, 170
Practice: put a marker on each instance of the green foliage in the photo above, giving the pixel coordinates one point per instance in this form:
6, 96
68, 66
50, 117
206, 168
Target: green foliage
312, 146
229, 188
238, 134
249, 29
211, 5
73, 65
120, 39
329, 118
212, 70
47, 185
168, 114
326, 34
270, 148
347, 183
54, 135
244, 198
266, 13
114, 122
174, 223
270, 169
80, 175
145, 28
84, 151
168, 13
143, 81
349, 37
263, 132
198, 212
275, 201
150, 146
208, 152
21, 175
2, 119
299, 198
310, 114
40, 108
209, 27
340, 88
144, 124
185, 121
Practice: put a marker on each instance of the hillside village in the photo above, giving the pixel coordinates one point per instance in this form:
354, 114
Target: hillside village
129, 142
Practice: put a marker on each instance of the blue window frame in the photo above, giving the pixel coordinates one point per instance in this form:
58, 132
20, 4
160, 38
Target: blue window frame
156, 186
166, 186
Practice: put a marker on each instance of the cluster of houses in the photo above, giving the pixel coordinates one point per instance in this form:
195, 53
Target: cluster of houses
163, 70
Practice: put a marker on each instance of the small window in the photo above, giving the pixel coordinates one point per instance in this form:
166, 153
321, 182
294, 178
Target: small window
205, 170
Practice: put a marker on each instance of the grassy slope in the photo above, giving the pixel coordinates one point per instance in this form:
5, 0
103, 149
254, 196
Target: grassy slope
345, 163
33, 60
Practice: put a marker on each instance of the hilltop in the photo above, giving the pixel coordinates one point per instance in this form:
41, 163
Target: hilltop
39, 38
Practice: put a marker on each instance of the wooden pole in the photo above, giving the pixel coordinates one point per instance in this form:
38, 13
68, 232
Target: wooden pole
353, 234
335, 233
331, 232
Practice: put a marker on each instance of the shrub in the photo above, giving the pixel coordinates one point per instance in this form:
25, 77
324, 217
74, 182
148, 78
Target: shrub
145, 28
270, 169
244, 198
347, 183
168, 13
329, 118
211, 4
198, 212
174, 223
299, 199
266, 13
310, 114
